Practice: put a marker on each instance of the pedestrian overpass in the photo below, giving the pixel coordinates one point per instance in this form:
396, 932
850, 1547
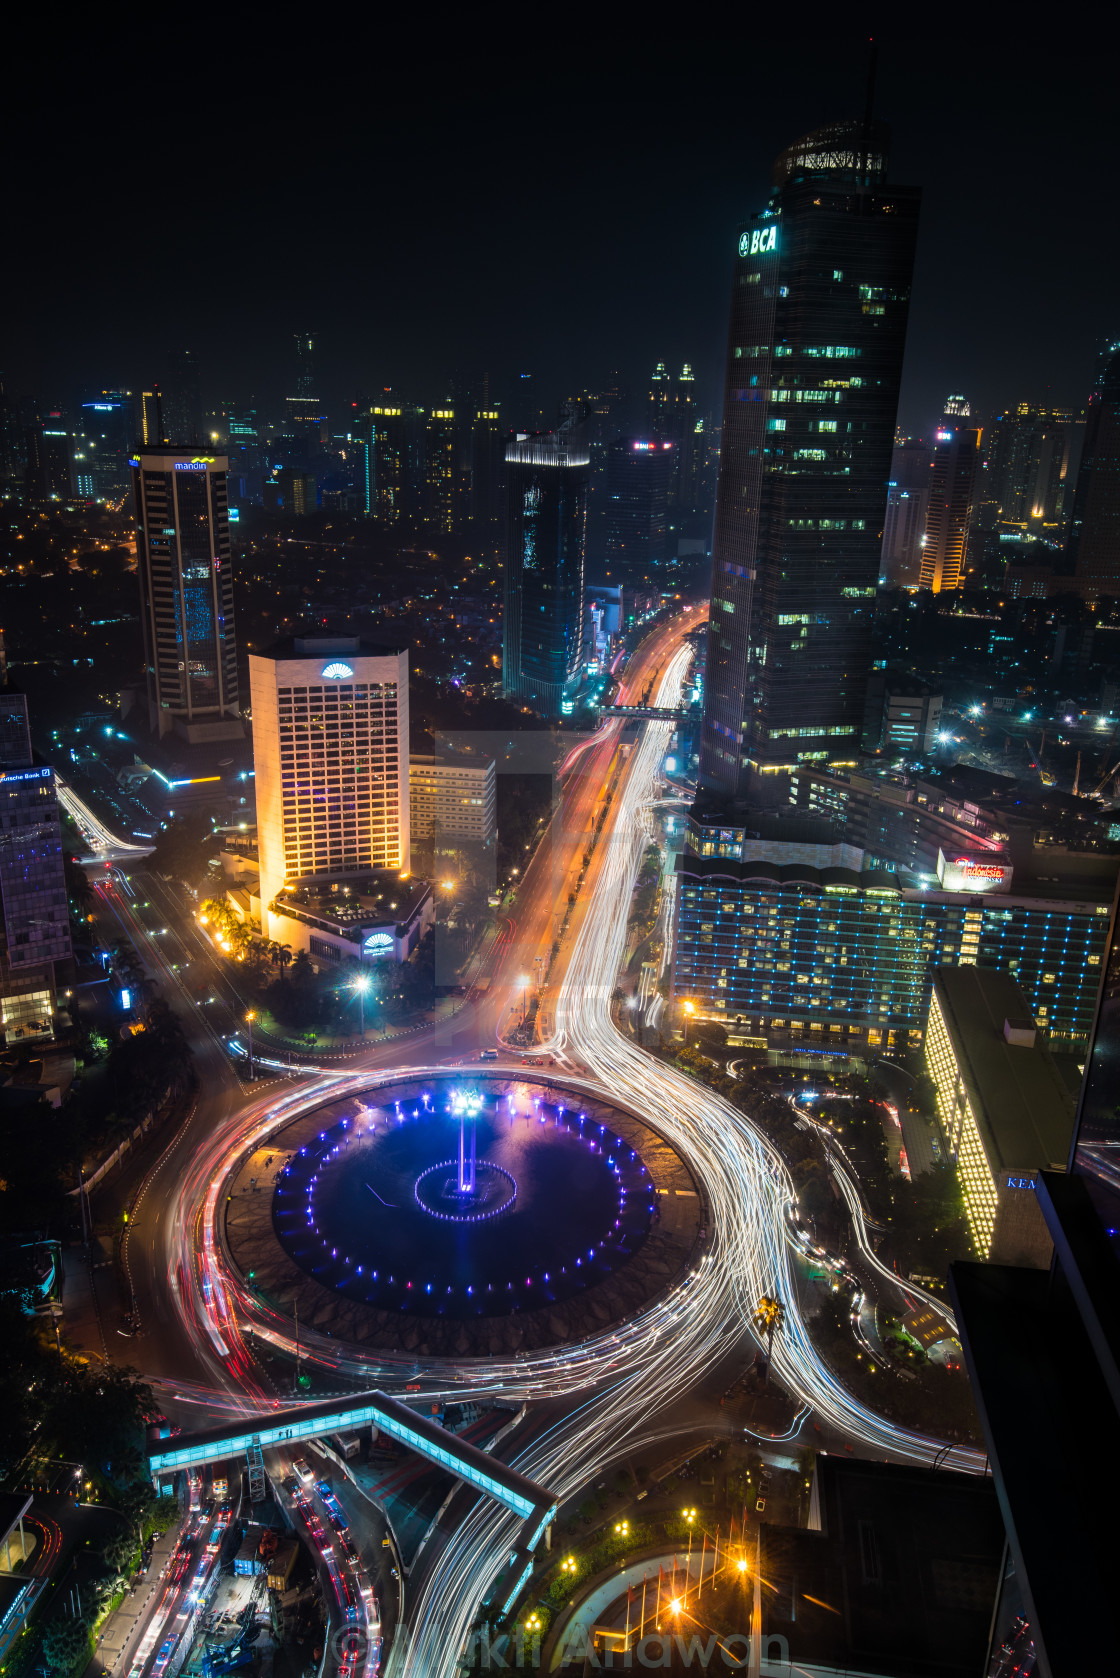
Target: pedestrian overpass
251, 1436
644, 713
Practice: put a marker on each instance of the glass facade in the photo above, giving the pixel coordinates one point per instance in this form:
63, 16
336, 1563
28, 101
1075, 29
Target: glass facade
186, 586
820, 299
794, 949
545, 545
32, 881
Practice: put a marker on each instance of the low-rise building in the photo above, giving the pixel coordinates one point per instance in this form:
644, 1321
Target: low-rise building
379, 918
1006, 1112
452, 799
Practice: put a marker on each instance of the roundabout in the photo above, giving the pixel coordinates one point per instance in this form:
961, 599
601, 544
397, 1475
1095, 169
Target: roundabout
457, 1215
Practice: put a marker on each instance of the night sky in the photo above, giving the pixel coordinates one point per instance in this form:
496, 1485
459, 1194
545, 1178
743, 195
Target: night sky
514, 199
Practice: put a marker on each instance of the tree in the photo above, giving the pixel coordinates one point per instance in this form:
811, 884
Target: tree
117, 1550
63, 1642
183, 847
768, 1317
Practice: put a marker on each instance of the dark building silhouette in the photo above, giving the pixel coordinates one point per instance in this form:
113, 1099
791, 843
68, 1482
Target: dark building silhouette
543, 563
48, 451
1026, 480
487, 473
820, 299
1042, 1347
35, 924
907, 506
182, 401
1094, 538
396, 461
640, 474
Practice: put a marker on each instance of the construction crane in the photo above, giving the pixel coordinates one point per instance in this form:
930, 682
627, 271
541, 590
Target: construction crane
1105, 770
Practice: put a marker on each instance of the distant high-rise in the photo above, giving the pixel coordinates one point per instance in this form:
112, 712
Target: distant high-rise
35, 928
48, 452
907, 508
442, 486
1094, 539
820, 300
952, 489
186, 593
149, 416
246, 459
1026, 471
396, 461
544, 556
182, 401
672, 419
104, 445
640, 471
488, 461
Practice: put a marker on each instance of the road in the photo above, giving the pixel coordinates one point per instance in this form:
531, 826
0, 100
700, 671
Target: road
614, 1385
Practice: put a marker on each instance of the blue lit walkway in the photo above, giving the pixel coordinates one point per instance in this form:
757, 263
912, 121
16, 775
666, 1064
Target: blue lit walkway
477, 1468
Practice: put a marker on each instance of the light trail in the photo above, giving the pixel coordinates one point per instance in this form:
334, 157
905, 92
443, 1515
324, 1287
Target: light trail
618, 1380
103, 842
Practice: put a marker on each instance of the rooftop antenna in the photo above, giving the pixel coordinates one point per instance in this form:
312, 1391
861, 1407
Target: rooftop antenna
865, 150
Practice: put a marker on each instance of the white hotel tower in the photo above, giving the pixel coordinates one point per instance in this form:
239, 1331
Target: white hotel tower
330, 748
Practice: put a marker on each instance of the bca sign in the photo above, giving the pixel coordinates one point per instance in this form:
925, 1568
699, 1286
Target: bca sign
758, 241
973, 873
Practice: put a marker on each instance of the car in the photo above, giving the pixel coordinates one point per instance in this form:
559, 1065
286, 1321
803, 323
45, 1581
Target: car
488, 1054
303, 1469
160, 1664
760, 1506
323, 1487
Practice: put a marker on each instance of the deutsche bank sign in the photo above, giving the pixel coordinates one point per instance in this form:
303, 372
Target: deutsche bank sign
760, 240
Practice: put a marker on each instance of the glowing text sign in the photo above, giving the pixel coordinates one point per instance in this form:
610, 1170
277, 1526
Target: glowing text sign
759, 240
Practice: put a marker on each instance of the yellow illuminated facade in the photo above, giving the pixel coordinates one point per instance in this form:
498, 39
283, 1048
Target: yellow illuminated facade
330, 750
958, 1126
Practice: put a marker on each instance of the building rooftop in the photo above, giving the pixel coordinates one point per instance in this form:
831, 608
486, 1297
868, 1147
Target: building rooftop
1020, 1101
1087, 895
379, 898
328, 646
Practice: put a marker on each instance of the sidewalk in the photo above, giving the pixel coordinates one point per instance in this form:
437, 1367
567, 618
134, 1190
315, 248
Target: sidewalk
122, 1630
89, 1301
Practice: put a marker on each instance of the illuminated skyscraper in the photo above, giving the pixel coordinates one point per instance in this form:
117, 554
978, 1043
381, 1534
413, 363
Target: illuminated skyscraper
330, 751
1094, 540
952, 489
186, 594
820, 300
545, 546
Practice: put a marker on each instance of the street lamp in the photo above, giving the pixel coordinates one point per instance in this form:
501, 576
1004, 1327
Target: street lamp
524, 983
361, 985
249, 1018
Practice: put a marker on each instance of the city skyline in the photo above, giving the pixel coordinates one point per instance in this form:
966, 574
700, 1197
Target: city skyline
558, 908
